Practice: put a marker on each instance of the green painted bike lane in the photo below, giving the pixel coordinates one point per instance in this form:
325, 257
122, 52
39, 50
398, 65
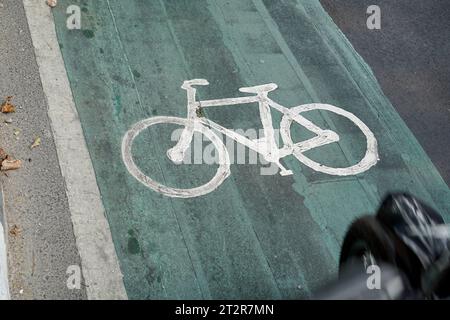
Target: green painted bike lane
255, 236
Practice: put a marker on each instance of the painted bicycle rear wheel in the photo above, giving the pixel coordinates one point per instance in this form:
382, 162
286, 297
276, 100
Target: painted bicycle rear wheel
222, 173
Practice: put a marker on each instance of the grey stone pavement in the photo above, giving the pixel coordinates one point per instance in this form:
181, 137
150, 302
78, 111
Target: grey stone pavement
35, 198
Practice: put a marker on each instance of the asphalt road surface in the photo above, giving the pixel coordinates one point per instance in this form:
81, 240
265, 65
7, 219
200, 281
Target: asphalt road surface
410, 58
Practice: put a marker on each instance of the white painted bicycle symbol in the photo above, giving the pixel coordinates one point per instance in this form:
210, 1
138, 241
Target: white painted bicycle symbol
265, 146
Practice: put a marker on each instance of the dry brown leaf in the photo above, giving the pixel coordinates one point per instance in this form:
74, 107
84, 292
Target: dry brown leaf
7, 106
11, 164
52, 3
14, 231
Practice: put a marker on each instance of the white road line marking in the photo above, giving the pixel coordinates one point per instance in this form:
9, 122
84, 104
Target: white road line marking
266, 147
100, 265
4, 284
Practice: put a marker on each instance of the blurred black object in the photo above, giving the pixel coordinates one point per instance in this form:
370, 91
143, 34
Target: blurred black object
352, 285
408, 241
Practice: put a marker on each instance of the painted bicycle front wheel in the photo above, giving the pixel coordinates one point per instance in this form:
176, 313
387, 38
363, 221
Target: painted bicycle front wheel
371, 155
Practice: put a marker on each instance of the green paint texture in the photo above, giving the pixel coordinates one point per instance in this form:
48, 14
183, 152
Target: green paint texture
256, 236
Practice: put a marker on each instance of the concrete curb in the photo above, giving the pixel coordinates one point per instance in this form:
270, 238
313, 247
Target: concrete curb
4, 286
99, 262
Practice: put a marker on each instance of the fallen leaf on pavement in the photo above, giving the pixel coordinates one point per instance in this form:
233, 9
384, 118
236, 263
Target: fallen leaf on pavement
10, 164
7, 106
7, 162
52, 3
14, 231
36, 143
